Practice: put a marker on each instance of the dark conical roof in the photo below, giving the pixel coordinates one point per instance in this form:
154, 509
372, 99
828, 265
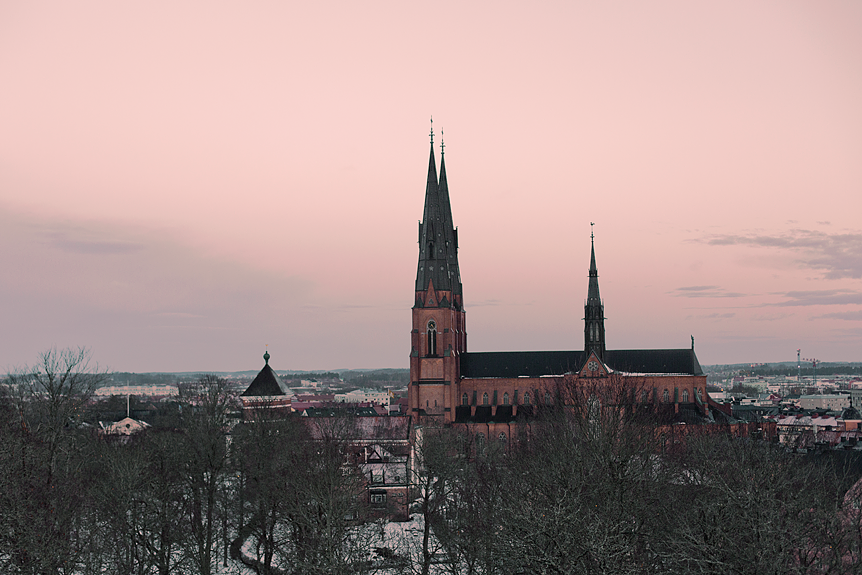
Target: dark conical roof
266, 383
438, 241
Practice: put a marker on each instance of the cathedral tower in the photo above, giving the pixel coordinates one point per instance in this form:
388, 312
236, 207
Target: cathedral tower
438, 337
594, 311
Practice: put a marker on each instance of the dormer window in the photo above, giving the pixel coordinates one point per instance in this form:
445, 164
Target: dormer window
432, 338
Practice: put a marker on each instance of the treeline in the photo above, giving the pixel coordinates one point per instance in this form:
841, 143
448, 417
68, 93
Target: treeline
177, 499
378, 378
597, 489
590, 485
785, 369
323, 376
823, 369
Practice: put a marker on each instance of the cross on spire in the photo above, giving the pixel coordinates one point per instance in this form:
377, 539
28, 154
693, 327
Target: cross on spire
442, 144
432, 129
592, 236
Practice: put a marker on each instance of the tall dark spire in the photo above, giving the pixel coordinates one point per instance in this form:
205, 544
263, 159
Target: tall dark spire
438, 242
594, 310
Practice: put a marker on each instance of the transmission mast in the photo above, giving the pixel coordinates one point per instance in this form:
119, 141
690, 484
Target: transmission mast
798, 365
814, 363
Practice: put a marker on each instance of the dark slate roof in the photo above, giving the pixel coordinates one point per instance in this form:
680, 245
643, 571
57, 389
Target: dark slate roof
653, 361
520, 363
539, 363
266, 383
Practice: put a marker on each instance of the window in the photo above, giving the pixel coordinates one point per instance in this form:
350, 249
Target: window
378, 498
685, 396
502, 437
644, 396
484, 399
506, 399
665, 396
465, 400
699, 396
547, 398
432, 338
480, 441
526, 398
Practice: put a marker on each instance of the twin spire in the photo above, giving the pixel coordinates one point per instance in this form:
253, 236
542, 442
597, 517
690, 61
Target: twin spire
438, 238
438, 255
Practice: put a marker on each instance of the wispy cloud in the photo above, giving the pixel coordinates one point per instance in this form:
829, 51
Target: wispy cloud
704, 291
177, 314
770, 316
96, 247
715, 316
485, 302
838, 255
819, 297
845, 315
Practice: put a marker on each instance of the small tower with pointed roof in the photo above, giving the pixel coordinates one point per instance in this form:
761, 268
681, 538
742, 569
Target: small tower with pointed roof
594, 309
267, 396
439, 334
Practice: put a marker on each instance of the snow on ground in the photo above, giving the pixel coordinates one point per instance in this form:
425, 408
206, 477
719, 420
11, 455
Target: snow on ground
402, 538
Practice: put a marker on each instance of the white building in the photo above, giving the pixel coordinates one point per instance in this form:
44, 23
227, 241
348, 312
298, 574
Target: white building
148, 390
829, 402
364, 396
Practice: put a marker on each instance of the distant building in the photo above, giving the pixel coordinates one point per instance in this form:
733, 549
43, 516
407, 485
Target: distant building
364, 396
139, 390
125, 427
829, 402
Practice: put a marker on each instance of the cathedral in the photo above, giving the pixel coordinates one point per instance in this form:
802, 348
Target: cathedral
492, 391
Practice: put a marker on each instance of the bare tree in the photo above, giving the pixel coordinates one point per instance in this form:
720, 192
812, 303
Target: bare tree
44, 489
204, 447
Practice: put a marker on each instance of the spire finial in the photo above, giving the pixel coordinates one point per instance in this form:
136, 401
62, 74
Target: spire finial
432, 130
592, 236
442, 144
266, 355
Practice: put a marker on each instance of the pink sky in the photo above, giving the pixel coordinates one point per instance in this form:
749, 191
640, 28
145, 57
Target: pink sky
182, 183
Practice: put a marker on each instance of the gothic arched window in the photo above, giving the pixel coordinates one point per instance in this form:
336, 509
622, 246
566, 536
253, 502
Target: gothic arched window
465, 400
506, 399
547, 398
665, 396
502, 437
480, 441
526, 398
432, 338
685, 396
484, 399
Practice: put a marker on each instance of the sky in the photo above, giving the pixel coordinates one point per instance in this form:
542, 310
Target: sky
185, 183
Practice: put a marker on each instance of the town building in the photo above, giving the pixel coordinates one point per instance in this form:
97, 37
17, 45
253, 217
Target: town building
490, 391
829, 402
